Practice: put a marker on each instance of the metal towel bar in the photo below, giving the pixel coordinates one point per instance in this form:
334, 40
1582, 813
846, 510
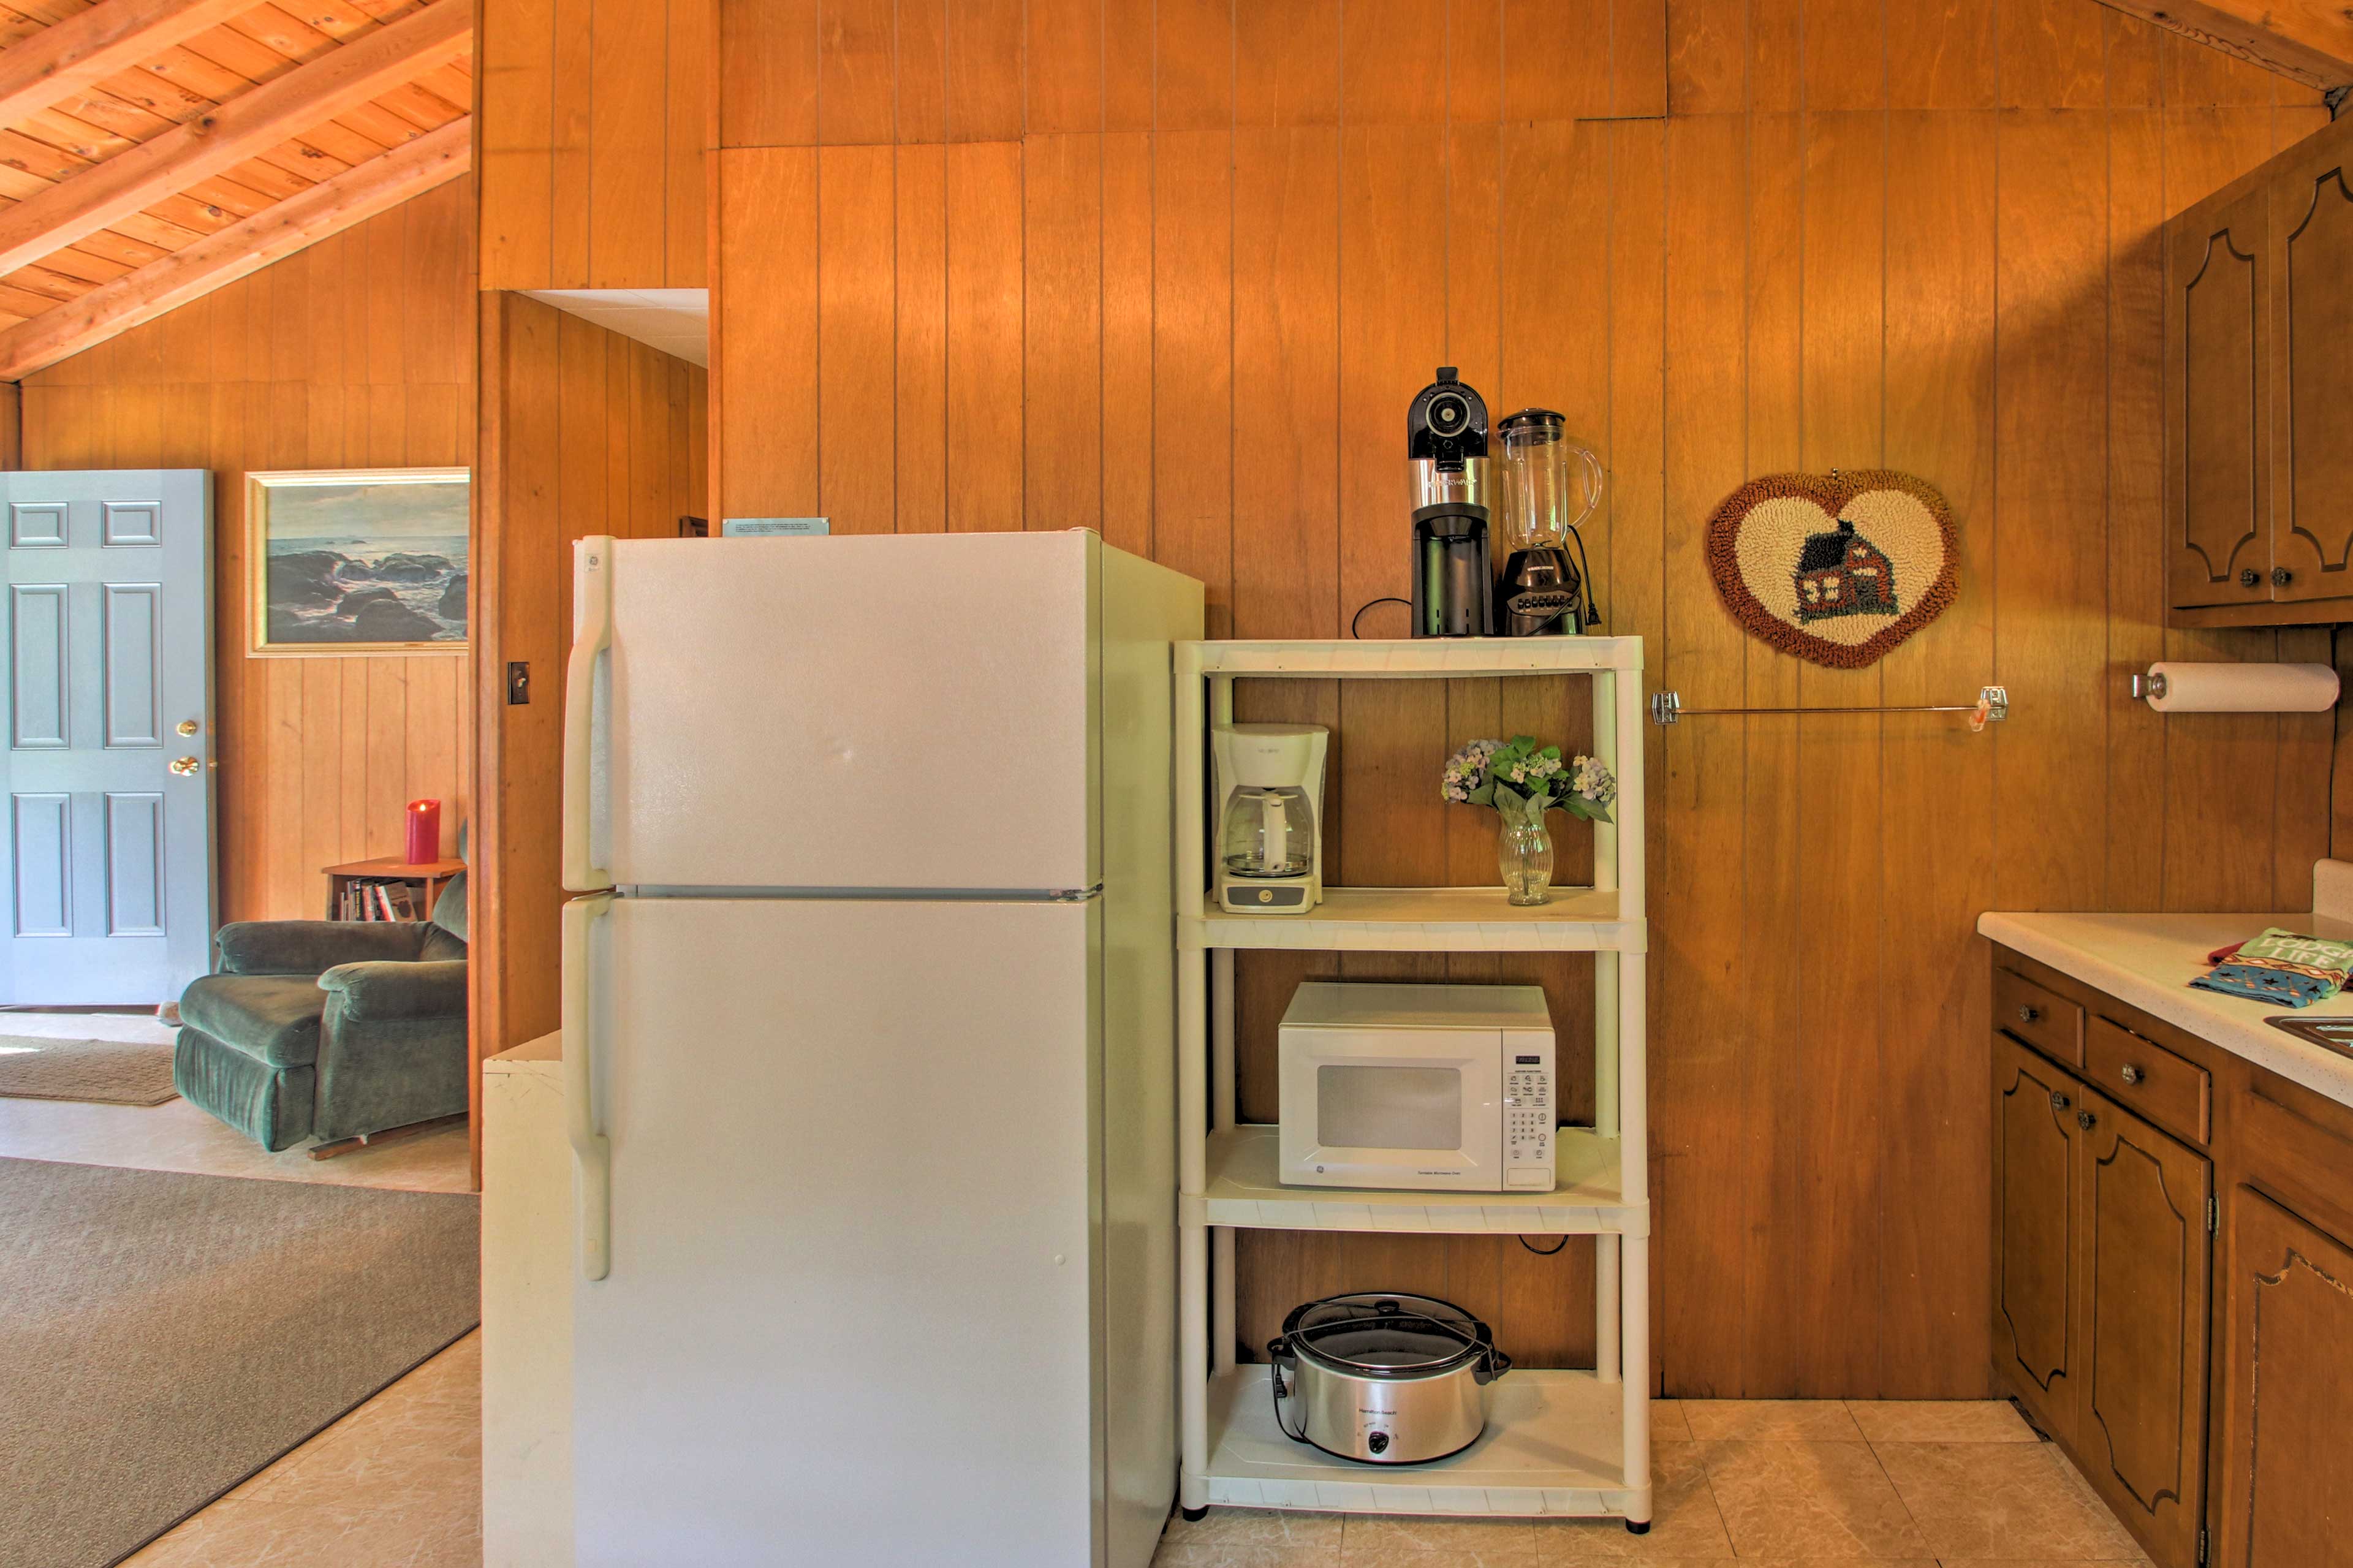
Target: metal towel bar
1991, 706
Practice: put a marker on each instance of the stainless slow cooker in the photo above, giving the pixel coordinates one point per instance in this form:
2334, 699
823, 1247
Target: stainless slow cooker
1389, 1380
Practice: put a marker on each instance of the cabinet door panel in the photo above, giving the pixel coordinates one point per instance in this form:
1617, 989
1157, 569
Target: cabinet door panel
2217, 497
2148, 1270
2034, 1231
2289, 1339
2312, 385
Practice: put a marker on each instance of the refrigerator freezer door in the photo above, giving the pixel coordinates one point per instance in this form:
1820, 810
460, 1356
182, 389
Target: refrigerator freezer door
853, 1306
878, 712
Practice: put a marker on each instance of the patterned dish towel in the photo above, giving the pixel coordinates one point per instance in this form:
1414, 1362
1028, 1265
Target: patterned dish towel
2279, 966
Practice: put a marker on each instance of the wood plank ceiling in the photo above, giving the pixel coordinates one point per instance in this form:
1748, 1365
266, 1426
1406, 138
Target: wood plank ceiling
154, 150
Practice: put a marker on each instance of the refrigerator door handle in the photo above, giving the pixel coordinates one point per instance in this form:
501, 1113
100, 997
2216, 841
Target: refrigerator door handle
592, 1152
594, 635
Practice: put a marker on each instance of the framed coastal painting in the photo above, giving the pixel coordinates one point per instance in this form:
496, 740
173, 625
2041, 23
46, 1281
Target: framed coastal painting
349, 561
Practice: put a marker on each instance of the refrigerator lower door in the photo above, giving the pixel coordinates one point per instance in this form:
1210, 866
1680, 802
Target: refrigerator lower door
853, 1313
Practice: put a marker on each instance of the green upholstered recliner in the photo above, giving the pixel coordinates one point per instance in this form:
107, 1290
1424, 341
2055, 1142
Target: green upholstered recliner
329, 1028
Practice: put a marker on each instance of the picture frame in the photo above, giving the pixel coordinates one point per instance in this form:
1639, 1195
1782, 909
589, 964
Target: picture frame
343, 562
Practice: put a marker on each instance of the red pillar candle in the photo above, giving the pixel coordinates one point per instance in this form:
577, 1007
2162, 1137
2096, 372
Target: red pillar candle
424, 832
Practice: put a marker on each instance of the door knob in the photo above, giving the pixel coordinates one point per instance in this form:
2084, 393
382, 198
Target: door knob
2282, 577
2132, 1074
2083, 1119
2058, 1100
188, 727
185, 766
2249, 577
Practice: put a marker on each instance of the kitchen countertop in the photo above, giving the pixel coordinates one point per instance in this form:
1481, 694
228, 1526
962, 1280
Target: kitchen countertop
2148, 960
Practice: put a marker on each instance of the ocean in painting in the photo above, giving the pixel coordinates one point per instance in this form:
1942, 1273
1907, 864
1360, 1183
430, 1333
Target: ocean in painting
394, 572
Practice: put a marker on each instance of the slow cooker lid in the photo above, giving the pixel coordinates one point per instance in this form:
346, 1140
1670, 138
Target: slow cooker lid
1372, 1334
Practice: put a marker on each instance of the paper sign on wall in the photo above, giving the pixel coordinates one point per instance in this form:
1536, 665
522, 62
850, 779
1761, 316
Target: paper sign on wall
750, 527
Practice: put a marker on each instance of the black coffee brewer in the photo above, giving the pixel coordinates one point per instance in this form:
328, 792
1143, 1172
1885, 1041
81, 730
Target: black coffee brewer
1446, 463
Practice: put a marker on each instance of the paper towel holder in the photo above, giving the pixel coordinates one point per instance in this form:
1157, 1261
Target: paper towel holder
2148, 684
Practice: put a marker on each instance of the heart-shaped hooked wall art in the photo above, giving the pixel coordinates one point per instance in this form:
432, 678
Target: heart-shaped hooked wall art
1836, 568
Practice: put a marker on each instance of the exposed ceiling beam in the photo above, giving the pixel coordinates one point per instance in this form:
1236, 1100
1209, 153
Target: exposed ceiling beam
331, 205
2311, 40
224, 137
87, 47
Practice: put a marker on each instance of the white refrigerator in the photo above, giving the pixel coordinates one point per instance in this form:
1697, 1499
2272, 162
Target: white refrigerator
869, 1047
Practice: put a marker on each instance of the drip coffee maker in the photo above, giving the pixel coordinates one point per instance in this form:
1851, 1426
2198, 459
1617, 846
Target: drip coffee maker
1549, 484
1269, 780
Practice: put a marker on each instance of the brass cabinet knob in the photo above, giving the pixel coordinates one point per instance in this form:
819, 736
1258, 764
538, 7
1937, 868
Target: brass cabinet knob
2132, 1074
2028, 1015
2282, 577
2058, 1100
185, 766
2085, 1118
2249, 577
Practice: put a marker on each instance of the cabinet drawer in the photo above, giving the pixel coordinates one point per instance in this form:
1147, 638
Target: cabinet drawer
2138, 1072
2043, 1019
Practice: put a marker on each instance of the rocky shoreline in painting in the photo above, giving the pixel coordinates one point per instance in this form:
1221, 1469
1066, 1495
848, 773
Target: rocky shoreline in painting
323, 596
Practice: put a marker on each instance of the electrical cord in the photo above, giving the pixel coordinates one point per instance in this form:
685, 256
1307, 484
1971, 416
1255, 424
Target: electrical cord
1592, 596
1545, 1252
1274, 1387
1592, 601
1390, 599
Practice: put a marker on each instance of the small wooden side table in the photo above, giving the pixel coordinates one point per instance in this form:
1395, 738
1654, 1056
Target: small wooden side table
429, 879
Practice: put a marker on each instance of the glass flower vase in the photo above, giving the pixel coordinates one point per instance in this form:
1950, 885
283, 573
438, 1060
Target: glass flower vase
1524, 853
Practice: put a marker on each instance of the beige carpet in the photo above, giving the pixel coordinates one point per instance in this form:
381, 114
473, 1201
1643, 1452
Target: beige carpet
110, 1072
163, 1337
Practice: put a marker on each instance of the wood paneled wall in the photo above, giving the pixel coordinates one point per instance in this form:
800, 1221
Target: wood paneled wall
587, 432
596, 116
358, 351
1173, 272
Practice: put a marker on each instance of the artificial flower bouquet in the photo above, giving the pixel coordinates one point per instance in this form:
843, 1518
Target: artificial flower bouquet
1521, 779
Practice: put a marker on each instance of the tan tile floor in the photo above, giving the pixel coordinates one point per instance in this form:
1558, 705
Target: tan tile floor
397, 1483
1742, 1483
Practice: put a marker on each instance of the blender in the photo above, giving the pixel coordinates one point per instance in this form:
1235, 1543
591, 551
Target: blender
1269, 780
1548, 484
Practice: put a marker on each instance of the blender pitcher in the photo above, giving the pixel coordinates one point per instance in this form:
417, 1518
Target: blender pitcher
1548, 485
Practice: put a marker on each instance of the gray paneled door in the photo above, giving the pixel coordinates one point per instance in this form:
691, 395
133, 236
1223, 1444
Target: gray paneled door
108, 858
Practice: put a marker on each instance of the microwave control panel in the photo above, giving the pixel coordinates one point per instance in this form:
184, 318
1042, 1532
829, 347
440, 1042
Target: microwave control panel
1528, 1116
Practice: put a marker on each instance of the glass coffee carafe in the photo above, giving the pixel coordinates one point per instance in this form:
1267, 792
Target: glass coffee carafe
1269, 831
1546, 484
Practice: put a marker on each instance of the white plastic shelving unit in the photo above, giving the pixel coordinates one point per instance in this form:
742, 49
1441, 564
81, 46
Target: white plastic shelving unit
1557, 1443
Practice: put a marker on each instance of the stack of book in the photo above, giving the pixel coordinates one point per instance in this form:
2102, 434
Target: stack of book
378, 901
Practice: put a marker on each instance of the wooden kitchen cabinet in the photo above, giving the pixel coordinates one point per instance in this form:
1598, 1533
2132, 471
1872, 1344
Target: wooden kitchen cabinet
2218, 398
2202, 1382
2259, 367
2036, 1212
2145, 1271
2312, 372
2102, 1271
2283, 1498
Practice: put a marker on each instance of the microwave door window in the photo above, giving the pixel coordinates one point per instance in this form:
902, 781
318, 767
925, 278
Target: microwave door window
1388, 1108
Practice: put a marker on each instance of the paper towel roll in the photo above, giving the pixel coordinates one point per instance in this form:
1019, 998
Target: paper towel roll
2244, 687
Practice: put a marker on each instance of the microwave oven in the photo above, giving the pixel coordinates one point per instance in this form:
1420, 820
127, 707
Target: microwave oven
1422, 1087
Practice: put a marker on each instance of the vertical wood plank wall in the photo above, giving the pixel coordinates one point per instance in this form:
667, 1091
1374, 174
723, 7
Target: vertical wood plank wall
596, 116
1174, 270
356, 352
586, 432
